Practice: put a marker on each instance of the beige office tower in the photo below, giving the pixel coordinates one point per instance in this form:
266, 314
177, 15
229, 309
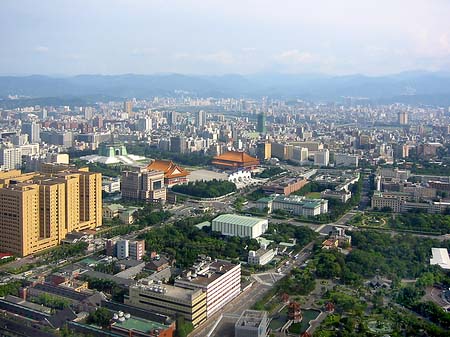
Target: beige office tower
38, 210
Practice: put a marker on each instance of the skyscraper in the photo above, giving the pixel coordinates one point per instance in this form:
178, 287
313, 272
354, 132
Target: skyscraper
261, 128
200, 118
403, 118
128, 108
33, 130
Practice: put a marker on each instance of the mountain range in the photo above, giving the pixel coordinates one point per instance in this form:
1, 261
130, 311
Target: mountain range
409, 87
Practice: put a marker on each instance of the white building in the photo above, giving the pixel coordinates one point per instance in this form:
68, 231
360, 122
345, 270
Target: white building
300, 154
238, 225
123, 249
221, 280
252, 323
347, 160
294, 204
440, 257
261, 257
322, 158
10, 158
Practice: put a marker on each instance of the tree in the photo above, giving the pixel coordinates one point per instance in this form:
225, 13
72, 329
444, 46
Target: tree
101, 317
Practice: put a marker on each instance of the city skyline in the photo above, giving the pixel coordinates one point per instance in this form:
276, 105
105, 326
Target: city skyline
194, 37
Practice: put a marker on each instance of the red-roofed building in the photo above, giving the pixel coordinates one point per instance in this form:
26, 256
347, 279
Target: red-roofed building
5, 256
173, 174
235, 160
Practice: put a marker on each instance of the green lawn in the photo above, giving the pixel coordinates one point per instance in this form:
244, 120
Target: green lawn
313, 195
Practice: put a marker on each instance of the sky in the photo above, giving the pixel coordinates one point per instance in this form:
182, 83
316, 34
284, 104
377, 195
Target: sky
372, 37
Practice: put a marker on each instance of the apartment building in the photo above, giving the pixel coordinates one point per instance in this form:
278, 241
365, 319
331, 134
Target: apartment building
38, 210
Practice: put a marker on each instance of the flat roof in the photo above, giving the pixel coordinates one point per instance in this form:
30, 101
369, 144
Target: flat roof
139, 324
440, 257
240, 220
170, 291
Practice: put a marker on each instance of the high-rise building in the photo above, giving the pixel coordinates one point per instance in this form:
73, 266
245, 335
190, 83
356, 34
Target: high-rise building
282, 151
144, 124
33, 130
261, 128
38, 209
264, 151
200, 118
178, 144
10, 157
128, 108
142, 184
322, 158
403, 118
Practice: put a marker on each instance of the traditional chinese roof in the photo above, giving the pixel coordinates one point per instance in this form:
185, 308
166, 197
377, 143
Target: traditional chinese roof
170, 169
235, 158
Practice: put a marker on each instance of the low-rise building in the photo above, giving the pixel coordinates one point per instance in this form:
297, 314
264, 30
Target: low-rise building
220, 280
238, 225
297, 205
261, 257
252, 323
170, 300
285, 186
343, 195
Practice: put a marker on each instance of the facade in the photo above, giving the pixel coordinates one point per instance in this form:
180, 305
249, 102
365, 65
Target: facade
347, 160
264, 151
238, 225
142, 184
139, 327
33, 130
322, 158
252, 323
297, 205
400, 202
219, 280
261, 257
39, 210
235, 160
137, 249
285, 186
178, 144
300, 154
173, 173
122, 248
261, 127
282, 151
403, 118
342, 195
200, 118
10, 158
170, 300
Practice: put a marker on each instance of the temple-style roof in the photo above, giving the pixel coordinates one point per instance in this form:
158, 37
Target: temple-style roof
170, 169
235, 158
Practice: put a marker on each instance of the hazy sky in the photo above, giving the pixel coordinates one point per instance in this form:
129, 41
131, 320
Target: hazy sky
215, 37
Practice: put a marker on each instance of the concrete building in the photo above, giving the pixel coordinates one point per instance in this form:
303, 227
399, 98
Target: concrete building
220, 280
282, 151
403, 117
33, 130
238, 225
142, 184
200, 119
322, 158
122, 249
264, 151
10, 158
342, 195
252, 323
137, 249
261, 257
300, 154
39, 210
347, 160
170, 300
261, 125
285, 186
297, 205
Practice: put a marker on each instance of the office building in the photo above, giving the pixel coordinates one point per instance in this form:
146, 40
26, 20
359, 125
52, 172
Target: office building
403, 118
10, 157
252, 323
322, 158
285, 186
346, 160
39, 210
178, 144
238, 225
128, 108
137, 249
122, 249
219, 280
264, 151
142, 184
261, 127
282, 151
200, 119
144, 124
33, 130
261, 257
170, 300
296, 205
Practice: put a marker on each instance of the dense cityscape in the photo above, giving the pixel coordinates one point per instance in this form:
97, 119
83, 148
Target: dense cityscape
263, 199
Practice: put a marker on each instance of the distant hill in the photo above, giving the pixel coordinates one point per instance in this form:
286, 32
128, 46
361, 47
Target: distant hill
410, 87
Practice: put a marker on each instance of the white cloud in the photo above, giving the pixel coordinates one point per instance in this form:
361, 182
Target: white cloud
41, 49
295, 56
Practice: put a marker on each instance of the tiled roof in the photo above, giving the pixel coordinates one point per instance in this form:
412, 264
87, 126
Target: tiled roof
236, 156
170, 169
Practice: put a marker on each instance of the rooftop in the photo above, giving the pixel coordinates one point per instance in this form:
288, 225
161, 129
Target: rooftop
239, 220
139, 324
440, 257
252, 318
